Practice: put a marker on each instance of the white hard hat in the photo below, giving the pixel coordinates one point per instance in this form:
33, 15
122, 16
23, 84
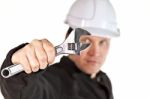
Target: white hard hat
95, 16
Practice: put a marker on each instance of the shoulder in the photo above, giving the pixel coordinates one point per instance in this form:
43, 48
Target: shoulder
105, 80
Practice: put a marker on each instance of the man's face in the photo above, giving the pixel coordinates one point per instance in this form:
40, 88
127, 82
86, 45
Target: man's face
91, 59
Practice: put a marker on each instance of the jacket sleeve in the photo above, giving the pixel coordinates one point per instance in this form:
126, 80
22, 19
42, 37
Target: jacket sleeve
24, 86
10, 87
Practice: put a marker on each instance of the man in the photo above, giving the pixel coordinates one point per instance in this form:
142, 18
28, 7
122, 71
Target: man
75, 76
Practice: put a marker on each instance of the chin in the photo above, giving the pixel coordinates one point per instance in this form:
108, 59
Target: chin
91, 70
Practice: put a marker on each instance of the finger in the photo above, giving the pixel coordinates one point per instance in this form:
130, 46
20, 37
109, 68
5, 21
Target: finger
40, 54
26, 65
31, 56
19, 57
50, 50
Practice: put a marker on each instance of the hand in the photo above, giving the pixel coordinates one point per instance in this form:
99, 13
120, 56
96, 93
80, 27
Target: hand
35, 55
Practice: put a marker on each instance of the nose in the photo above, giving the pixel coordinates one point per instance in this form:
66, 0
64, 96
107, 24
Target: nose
94, 50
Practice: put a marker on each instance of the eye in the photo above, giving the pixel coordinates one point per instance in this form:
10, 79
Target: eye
103, 42
85, 42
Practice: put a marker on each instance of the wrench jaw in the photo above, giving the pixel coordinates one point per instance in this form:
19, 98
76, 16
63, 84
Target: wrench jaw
72, 44
69, 46
77, 51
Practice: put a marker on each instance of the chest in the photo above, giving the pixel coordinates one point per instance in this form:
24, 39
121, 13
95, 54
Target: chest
82, 87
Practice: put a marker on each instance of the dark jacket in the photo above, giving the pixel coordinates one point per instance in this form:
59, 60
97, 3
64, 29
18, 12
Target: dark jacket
62, 80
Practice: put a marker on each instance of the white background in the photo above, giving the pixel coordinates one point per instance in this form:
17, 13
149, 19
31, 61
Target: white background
128, 61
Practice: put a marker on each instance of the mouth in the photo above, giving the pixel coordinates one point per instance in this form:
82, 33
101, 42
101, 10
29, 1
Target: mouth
92, 61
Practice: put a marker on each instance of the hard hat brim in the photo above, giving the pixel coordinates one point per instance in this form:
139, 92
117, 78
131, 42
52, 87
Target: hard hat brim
102, 32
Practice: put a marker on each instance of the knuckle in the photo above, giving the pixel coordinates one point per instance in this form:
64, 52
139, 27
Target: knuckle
51, 50
28, 48
45, 40
36, 42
